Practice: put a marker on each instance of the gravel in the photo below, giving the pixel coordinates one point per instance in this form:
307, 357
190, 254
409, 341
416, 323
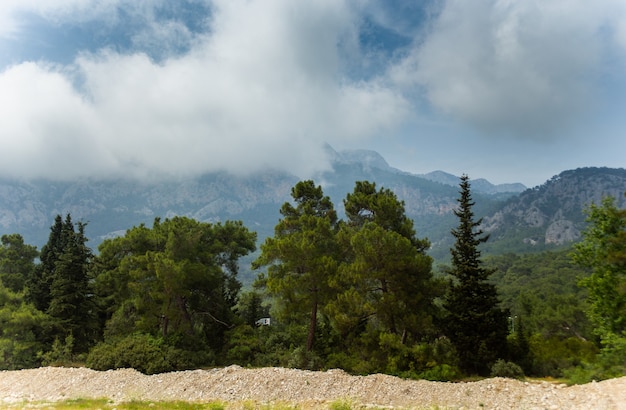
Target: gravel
306, 389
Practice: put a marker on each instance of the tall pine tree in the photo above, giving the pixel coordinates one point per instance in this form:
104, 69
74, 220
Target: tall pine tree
385, 277
474, 321
301, 257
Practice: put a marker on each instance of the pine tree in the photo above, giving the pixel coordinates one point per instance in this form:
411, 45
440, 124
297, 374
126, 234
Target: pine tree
385, 276
16, 261
474, 322
301, 256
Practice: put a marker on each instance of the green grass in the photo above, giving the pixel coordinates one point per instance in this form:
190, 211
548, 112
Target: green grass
105, 404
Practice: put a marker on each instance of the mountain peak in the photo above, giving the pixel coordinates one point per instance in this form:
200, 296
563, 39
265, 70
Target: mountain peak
368, 158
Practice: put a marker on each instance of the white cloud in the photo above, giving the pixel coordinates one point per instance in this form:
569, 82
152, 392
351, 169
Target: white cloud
527, 68
263, 88
11, 11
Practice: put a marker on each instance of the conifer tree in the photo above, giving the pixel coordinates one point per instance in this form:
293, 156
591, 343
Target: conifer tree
474, 322
301, 256
38, 285
71, 297
60, 284
385, 279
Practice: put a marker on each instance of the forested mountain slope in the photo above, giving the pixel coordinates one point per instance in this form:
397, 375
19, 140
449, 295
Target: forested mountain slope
552, 214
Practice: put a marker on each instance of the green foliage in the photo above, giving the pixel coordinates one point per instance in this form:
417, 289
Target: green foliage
71, 302
354, 282
473, 320
300, 358
251, 307
16, 261
23, 331
441, 373
243, 346
300, 257
381, 207
145, 353
554, 356
61, 286
357, 294
384, 280
603, 250
61, 353
542, 289
502, 368
180, 277
341, 405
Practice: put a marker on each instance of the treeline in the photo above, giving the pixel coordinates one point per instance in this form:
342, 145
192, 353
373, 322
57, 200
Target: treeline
358, 293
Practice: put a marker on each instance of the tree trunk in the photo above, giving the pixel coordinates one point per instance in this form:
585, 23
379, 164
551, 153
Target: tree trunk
182, 305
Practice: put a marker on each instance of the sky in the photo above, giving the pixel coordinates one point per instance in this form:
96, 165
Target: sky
508, 90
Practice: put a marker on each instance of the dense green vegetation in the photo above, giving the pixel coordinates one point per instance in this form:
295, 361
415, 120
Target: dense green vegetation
358, 293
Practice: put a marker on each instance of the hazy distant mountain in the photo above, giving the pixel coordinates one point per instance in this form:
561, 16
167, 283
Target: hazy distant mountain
478, 185
112, 206
547, 215
372, 159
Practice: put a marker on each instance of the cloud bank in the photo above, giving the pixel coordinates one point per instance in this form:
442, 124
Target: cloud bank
521, 68
257, 84
263, 88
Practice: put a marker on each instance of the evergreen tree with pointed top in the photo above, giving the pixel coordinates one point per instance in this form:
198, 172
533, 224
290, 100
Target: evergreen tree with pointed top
71, 297
38, 285
60, 284
474, 321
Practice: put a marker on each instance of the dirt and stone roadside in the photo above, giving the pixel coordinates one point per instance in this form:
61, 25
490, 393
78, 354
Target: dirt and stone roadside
303, 388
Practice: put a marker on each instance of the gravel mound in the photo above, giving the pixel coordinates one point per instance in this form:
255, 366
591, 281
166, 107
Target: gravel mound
306, 389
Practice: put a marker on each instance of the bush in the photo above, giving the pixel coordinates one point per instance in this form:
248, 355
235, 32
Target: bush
301, 359
61, 354
503, 368
442, 373
144, 353
554, 356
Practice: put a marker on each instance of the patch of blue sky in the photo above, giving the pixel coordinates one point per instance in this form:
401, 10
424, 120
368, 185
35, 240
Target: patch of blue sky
61, 41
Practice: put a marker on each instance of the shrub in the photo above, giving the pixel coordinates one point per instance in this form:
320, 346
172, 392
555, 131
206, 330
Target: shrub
301, 359
144, 353
61, 353
502, 368
554, 356
442, 373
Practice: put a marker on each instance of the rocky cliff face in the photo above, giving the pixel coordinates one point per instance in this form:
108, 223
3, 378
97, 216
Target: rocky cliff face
553, 213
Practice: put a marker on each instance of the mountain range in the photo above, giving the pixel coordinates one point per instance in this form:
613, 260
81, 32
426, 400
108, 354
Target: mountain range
519, 219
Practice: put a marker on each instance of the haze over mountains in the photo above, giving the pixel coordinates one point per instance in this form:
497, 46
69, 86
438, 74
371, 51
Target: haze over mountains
519, 219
